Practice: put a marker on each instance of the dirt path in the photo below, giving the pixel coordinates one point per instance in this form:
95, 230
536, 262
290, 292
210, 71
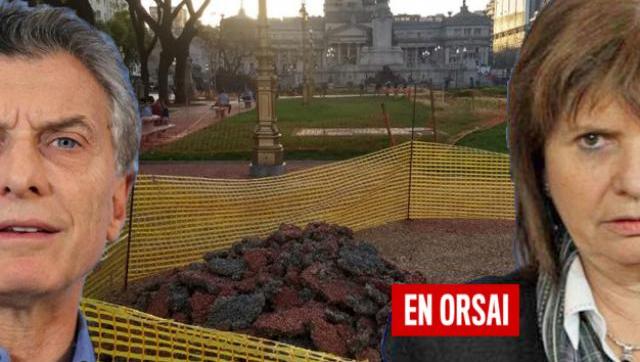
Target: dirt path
492, 118
484, 124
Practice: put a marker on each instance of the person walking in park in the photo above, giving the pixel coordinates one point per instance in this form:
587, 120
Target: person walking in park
223, 102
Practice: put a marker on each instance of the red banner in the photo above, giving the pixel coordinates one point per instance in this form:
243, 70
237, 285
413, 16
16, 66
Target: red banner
455, 310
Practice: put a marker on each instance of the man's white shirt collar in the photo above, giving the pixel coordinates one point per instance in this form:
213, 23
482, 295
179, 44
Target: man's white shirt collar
579, 298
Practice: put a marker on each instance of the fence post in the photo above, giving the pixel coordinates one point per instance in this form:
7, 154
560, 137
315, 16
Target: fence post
433, 113
387, 124
127, 259
413, 126
473, 101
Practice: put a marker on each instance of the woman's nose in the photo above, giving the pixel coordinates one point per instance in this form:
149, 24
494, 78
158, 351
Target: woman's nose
627, 175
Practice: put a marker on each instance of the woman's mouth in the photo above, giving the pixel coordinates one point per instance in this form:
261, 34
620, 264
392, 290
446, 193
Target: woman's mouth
624, 227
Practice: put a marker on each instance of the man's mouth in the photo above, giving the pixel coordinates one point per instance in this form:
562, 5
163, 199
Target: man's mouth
25, 230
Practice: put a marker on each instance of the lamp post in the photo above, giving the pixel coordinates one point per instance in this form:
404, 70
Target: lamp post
290, 77
424, 56
330, 57
267, 158
306, 56
460, 54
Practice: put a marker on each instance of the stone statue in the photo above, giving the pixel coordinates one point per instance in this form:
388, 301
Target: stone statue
382, 9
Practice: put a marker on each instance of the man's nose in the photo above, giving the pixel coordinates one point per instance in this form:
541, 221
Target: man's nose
21, 171
627, 179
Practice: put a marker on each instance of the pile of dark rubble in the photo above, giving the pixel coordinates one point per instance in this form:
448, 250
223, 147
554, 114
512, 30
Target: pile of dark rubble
316, 288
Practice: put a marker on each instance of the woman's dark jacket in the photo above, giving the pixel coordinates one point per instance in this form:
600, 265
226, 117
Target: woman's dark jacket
527, 347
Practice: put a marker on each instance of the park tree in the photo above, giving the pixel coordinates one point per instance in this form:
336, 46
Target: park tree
233, 42
145, 42
173, 46
237, 41
209, 36
120, 28
81, 7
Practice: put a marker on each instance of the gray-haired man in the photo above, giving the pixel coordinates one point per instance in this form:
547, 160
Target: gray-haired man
69, 135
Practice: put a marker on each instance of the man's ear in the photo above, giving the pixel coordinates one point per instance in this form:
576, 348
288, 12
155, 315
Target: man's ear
120, 198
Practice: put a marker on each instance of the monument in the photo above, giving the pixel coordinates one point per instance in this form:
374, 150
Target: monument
382, 52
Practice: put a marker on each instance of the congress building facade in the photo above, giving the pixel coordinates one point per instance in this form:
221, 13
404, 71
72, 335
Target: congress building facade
355, 39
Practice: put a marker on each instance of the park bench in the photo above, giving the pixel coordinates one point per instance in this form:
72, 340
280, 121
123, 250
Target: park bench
247, 100
221, 110
153, 125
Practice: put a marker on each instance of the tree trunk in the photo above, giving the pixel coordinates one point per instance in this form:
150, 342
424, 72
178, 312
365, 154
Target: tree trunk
180, 76
144, 75
143, 52
166, 59
163, 30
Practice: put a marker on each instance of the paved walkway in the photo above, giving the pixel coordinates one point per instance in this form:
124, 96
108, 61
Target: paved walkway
338, 132
188, 120
213, 169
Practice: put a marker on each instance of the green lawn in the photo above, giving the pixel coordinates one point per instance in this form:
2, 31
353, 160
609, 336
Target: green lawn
492, 139
232, 138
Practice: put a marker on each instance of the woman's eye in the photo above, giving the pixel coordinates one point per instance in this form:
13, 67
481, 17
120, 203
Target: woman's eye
65, 142
592, 141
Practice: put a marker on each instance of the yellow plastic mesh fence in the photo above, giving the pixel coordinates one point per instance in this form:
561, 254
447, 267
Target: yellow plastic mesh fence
120, 333
109, 275
459, 182
177, 219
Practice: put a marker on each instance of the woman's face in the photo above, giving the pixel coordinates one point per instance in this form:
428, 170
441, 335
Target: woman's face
593, 173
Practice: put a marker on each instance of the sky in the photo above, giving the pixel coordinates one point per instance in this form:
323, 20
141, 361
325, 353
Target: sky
286, 8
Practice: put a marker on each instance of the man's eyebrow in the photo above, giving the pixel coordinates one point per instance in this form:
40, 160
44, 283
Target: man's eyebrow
75, 121
66, 123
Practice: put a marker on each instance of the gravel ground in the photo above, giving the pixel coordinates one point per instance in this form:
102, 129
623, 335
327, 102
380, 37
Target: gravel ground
446, 251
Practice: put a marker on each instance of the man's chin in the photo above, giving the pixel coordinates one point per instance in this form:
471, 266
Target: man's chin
23, 290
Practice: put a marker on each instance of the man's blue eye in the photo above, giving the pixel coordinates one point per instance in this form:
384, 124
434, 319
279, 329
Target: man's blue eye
65, 142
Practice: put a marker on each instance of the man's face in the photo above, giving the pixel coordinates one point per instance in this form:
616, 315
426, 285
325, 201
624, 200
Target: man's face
57, 175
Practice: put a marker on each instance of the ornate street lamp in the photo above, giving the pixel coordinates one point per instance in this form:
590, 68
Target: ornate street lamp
459, 66
267, 159
329, 62
307, 89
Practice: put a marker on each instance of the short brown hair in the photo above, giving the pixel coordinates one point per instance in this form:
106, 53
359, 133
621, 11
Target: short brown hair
577, 53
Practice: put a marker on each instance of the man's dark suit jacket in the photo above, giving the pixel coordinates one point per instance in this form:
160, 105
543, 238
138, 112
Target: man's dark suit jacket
527, 347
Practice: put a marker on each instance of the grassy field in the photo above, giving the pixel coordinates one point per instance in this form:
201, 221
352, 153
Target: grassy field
232, 138
492, 139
